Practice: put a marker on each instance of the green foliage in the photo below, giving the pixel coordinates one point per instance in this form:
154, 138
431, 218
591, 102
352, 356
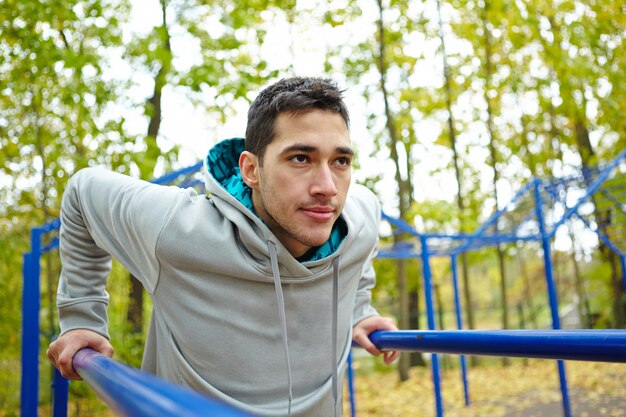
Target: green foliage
555, 89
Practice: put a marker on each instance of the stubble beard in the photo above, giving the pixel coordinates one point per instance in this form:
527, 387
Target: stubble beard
287, 229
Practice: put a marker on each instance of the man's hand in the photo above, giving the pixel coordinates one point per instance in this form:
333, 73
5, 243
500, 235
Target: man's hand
62, 351
366, 326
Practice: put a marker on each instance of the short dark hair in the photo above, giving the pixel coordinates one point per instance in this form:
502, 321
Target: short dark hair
297, 95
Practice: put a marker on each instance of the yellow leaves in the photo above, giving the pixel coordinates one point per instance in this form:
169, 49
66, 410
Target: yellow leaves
596, 389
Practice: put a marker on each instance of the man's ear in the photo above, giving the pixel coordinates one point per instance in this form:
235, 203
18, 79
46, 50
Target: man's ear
249, 167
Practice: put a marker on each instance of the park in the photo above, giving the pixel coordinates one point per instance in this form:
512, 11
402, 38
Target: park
491, 132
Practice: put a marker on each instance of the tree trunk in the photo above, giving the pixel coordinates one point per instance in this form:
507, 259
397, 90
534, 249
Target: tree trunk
467, 295
445, 360
584, 311
404, 189
492, 150
603, 221
531, 311
577, 115
134, 313
50, 279
414, 310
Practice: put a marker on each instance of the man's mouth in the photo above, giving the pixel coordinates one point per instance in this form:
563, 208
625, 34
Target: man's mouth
319, 213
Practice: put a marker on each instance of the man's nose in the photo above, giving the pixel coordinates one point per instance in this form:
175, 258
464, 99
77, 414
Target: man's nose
323, 182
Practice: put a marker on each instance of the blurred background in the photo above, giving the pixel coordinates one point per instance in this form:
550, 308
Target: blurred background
455, 105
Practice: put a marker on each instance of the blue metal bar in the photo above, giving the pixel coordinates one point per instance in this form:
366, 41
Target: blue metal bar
53, 244
552, 294
351, 386
60, 388
591, 189
400, 224
430, 313
498, 213
545, 240
454, 250
52, 225
582, 345
459, 324
622, 259
29, 394
603, 237
477, 243
168, 178
133, 393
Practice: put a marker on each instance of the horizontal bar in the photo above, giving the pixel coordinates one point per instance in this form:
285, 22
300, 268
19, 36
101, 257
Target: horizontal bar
133, 393
582, 345
50, 226
168, 178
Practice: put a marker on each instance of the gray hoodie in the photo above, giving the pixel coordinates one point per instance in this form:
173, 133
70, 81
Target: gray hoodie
235, 316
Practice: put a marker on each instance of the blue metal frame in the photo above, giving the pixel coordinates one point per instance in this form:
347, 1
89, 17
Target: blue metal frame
459, 324
351, 391
29, 394
463, 242
552, 294
578, 345
31, 270
133, 393
428, 291
460, 243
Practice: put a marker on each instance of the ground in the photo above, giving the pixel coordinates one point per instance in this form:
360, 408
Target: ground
525, 388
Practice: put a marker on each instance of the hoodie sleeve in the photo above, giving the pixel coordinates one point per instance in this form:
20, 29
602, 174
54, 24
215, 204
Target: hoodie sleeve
362, 306
106, 214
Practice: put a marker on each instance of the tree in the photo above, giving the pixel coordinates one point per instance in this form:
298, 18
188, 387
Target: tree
228, 39
55, 120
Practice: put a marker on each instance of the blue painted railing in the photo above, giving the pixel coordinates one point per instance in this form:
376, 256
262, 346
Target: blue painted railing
550, 345
133, 393
580, 345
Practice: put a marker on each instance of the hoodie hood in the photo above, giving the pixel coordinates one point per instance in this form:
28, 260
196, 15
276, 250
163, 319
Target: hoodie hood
221, 168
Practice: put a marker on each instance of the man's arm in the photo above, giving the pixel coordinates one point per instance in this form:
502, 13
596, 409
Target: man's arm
103, 214
366, 319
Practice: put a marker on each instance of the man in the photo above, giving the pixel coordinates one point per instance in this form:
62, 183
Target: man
256, 287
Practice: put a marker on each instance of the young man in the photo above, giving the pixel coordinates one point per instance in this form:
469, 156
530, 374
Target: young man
258, 287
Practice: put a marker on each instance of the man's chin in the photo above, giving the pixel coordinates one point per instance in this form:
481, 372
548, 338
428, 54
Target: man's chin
317, 240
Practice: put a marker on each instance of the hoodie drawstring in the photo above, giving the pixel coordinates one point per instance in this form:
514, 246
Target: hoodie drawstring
281, 314
283, 323
334, 335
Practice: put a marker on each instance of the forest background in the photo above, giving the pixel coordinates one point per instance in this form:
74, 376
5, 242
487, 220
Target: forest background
455, 105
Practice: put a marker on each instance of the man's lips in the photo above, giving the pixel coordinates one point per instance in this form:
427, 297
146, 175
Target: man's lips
319, 213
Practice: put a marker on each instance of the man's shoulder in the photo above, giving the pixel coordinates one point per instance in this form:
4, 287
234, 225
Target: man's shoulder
363, 196
363, 203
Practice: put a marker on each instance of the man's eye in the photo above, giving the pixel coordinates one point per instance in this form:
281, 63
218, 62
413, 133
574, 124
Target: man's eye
343, 161
300, 159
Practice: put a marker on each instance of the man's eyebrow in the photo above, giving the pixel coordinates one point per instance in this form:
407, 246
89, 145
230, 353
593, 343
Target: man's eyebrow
299, 148
345, 150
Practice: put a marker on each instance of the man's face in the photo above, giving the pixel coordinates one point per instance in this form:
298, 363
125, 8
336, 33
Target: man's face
301, 188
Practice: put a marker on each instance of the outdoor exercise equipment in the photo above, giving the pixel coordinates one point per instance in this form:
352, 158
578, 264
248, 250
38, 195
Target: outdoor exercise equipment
596, 197
535, 214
